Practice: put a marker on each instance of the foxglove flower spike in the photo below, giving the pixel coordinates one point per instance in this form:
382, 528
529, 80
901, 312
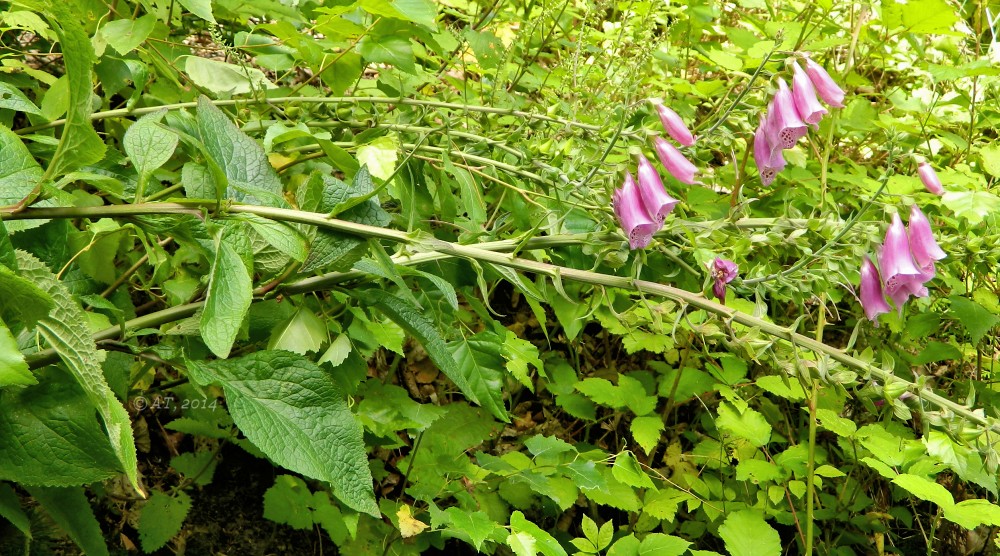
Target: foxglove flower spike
895, 261
804, 95
785, 125
723, 271
922, 245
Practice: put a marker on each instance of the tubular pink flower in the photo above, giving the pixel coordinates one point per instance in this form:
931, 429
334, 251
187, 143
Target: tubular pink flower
872, 298
912, 285
632, 216
826, 87
724, 271
785, 125
675, 162
930, 178
804, 95
768, 164
674, 125
922, 245
655, 199
896, 262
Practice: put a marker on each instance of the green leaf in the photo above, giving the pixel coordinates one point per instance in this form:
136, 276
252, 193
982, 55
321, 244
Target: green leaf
971, 205
79, 144
477, 526
834, 423
303, 333
279, 235
543, 541
288, 501
937, 351
420, 327
625, 546
658, 544
749, 425
627, 470
379, 156
125, 35
519, 353
417, 11
973, 513
24, 302
602, 391
11, 98
389, 49
976, 319
13, 368
148, 144
296, 414
646, 431
225, 79
19, 173
919, 16
240, 158
990, 155
478, 360
924, 489
70, 509
161, 519
197, 467
10, 509
200, 8
747, 534
65, 329
230, 293
469, 192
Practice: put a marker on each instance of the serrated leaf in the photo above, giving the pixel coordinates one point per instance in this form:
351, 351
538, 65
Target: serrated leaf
296, 414
544, 542
747, 534
279, 235
477, 526
919, 16
601, 391
976, 319
13, 368
49, 435
230, 292
287, 502
161, 518
646, 431
834, 423
379, 157
79, 145
547, 447
478, 360
970, 514
197, 467
334, 252
148, 144
241, 160
65, 329
70, 509
584, 474
420, 327
627, 470
924, 489
658, 544
519, 353
125, 35
19, 172
971, 205
303, 333
24, 302
749, 425
396, 50
11, 98
625, 546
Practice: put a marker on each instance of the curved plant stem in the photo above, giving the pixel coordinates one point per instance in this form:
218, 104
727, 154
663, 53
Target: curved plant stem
426, 243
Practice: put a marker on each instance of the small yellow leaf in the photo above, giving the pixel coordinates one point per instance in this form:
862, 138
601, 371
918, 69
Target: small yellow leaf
408, 525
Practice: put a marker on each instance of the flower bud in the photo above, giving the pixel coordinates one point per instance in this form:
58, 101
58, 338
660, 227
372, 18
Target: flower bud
804, 95
674, 125
632, 216
826, 87
675, 162
654, 197
930, 178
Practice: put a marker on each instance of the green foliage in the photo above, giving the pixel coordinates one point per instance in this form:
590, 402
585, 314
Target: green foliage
371, 243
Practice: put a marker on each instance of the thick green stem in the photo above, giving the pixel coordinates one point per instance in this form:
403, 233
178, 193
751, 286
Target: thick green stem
427, 243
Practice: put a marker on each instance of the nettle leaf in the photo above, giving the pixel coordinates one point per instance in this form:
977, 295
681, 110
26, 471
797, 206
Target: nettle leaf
79, 144
230, 292
747, 534
479, 361
237, 155
49, 435
161, 519
65, 329
749, 425
70, 509
148, 144
976, 319
296, 414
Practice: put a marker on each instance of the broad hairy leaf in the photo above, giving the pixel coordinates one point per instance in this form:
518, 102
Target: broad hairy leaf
230, 292
24, 302
65, 329
19, 172
69, 508
747, 534
79, 144
296, 414
148, 144
161, 518
479, 362
239, 157
279, 235
334, 250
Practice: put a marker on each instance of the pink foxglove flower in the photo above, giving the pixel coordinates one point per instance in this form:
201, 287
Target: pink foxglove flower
898, 269
654, 197
768, 164
785, 125
675, 125
723, 271
922, 245
826, 87
872, 297
675, 162
804, 95
632, 215
930, 178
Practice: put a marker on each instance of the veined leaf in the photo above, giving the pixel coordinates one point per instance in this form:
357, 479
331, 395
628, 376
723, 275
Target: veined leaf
279, 235
70, 509
19, 173
10, 509
543, 541
125, 35
240, 158
479, 361
223, 78
11, 98
79, 144
230, 292
149, 145
296, 414
13, 368
747, 534
65, 329
162, 518
24, 302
